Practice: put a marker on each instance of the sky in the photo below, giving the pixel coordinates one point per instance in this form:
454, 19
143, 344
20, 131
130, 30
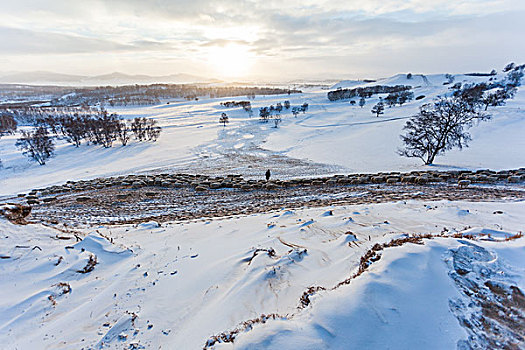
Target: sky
271, 40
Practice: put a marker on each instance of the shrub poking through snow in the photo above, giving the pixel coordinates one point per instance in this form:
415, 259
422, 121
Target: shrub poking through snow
90, 266
229, 337
15, 213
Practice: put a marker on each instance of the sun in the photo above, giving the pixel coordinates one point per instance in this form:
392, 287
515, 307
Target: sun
230, 61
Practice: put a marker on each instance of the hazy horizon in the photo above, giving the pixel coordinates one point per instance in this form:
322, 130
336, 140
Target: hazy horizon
251, 40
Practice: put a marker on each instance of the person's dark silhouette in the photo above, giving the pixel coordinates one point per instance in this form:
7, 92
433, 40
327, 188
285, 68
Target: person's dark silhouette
268, 174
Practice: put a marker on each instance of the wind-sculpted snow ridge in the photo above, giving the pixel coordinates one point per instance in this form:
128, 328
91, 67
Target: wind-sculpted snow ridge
366, 260
312, 278
501, 321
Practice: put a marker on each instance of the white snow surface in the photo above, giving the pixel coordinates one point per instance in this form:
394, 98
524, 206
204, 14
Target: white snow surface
177, 284
347, 137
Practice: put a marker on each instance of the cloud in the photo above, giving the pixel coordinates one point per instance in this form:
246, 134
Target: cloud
22, 41
223, 42
311, 36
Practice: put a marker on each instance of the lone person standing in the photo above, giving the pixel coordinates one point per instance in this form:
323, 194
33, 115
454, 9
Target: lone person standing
268, 174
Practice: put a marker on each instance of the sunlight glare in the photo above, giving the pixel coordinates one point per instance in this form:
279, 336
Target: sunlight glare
230, 61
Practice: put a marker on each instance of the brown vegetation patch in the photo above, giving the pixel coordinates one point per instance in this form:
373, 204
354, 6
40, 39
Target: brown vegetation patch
90, 266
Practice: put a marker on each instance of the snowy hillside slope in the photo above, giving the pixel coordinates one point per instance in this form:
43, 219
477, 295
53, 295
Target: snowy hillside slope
179, 284
406, 301
395, 273
350, 136
332, 137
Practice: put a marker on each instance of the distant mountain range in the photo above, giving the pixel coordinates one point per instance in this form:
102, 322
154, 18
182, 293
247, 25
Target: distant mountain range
116, 78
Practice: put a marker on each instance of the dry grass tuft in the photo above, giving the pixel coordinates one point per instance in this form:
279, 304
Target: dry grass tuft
16, 213
90, 266
229, 337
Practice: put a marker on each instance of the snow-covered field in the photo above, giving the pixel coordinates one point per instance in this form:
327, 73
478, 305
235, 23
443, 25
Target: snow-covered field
332, 137
247, 278
177, 285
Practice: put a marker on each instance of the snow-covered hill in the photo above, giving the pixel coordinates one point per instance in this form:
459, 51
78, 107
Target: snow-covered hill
332, 277
332, 137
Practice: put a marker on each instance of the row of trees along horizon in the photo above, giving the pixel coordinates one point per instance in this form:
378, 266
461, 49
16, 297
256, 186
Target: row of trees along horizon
126, 95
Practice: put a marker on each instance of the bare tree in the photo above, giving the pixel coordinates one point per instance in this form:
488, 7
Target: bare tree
277, 120
439, 127
264, 114
472, 93
248, 109
498, 97
145, 129
138, 127
152, 130
509, 67
379, 108
514, 77
391, 99
304, 107
37, 145
123, 134
404, 96
8, 124
109, 126
224, 119
73, 129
